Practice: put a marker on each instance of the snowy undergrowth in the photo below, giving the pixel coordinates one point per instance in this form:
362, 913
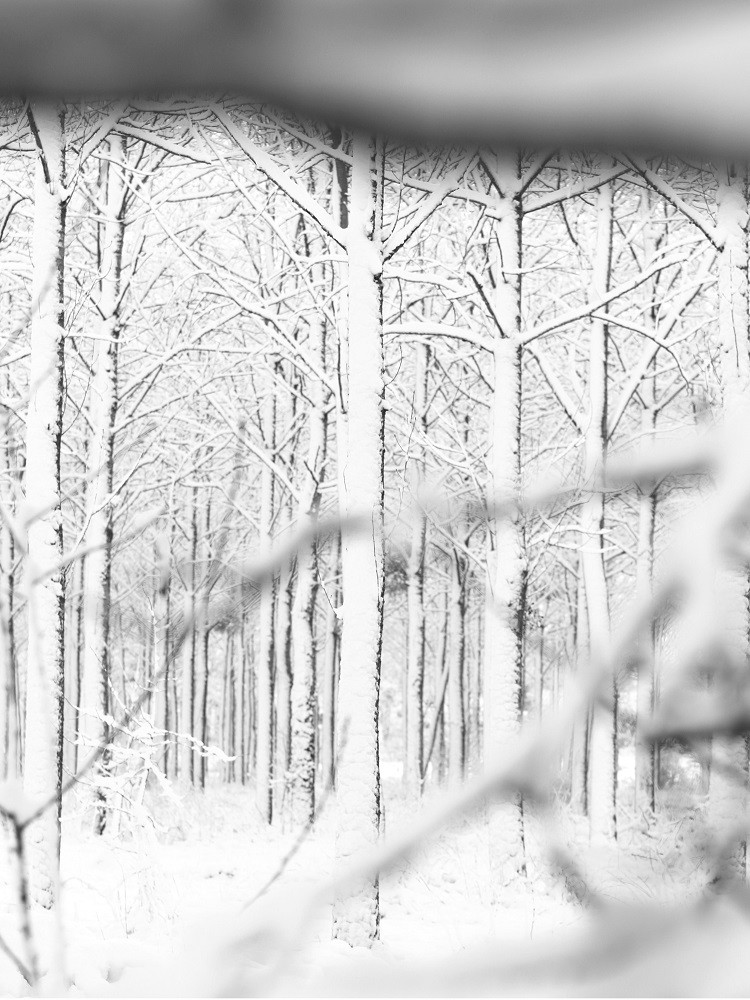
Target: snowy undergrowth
149, 914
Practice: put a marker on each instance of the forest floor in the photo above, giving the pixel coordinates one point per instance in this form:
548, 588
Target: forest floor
152, 915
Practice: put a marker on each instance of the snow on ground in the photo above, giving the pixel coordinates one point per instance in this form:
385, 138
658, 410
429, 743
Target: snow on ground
151, 914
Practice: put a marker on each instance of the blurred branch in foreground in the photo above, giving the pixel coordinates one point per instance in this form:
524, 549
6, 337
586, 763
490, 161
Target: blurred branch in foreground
622, 72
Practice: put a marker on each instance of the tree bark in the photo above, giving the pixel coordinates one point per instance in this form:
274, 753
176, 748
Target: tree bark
10, 728
356, 917
187, 707
414, 714
506, 559
160, 695
645, 750
202, 640
456, 659
603, 752
579, 753
329, 677
264, 664
282, 648
44, 578
303, 609
95, 667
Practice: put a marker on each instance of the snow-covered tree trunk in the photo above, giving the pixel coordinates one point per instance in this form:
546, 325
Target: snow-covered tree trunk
282, 654
243, 707
725, 797
238, 711
645, 756
187, 701
202, 641
329, 674
169, 715
74, 667
9, 701
579, 751
540, 673
603, 747
645, 748
264, 663
506, 559
228, 714
95, 667
303, 608
357, 910
436, 748
249, 730
44, 579
473, 693
456, 739
160, 695
74, 658
414, 715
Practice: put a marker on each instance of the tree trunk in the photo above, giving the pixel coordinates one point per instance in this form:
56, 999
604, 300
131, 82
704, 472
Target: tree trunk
303, 610
202, 639
473, 712
94, 694
168, 716
44, 584
282, 645
229, 708
579, 754
441, 677
645, 754
264, 664
243, 707
329, 678
603, 752
414, 714
540, 675
187, 708
160, 696
506, 562
456, 658
77, 658
9, 701
357, 910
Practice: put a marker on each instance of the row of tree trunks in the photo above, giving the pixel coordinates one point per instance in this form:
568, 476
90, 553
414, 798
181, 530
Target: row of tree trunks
309, 721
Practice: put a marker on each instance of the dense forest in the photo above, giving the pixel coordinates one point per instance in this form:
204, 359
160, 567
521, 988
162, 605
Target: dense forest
350, 485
